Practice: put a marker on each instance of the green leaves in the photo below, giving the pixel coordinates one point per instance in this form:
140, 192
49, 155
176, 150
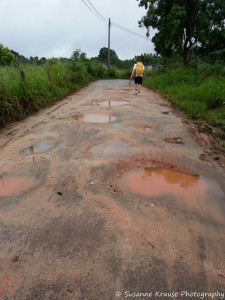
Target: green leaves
7, 58
181, 24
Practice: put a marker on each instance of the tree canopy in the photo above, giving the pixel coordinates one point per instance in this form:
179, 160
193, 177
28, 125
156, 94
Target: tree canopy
181, 24
6, 56
103, 56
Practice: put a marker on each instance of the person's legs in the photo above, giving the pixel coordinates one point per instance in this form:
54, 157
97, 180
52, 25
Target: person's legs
136, 88
136, 85
140, 79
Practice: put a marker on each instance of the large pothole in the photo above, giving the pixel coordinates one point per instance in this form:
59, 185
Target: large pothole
188, 193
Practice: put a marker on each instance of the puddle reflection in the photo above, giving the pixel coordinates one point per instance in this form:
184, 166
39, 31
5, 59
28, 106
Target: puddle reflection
170, 113
111, 103
38, 148
190, 193
95, 118
173, 140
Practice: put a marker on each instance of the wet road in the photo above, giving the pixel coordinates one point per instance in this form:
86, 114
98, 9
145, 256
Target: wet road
105, 196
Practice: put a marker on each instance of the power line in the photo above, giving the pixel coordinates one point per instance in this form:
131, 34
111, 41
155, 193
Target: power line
127, 30
103, 19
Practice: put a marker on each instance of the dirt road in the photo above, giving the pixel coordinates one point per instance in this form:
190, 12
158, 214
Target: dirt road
106, 195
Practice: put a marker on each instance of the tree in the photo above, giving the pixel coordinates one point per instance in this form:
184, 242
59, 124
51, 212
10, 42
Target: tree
213, 42
103, 56
150, 59
6, 56
20, 58
180, 24
77, 56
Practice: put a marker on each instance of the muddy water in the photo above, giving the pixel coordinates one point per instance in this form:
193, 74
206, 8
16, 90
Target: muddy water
37, 148
111, 103
111, 149
173, 140
170, 113
95, 118
189, 193
14, 185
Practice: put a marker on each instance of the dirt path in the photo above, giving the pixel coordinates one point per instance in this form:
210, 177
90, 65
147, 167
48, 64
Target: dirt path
107, 192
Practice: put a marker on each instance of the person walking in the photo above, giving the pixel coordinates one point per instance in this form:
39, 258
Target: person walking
139, 73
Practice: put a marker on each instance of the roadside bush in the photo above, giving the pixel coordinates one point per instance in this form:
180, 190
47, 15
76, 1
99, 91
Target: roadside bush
200, 91
25, 90
112, 73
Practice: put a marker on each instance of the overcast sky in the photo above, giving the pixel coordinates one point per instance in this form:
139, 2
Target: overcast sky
54, 28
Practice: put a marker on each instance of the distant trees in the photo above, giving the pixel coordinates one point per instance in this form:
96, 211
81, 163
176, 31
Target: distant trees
146, 58
77, 55
182, 24
6, 56
103, 56
20, 59
149, 59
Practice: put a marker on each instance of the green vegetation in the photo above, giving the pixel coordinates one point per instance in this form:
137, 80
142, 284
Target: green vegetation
147, 59
200, 92
28, 88
6, 56
182, 25
192, 32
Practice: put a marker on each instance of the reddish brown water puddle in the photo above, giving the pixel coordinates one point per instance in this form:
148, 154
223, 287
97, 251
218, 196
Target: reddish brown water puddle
112, 103
189, 193
111, 149
176, 140
37, 148
13, 185
95, 118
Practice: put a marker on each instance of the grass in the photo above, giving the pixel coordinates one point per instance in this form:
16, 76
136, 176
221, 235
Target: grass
199, 92
43, 85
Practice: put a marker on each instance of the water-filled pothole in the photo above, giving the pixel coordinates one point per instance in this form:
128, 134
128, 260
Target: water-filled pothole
38, 148
95, 118
111, 149
112, 103
176, 140
189, 193
170, 113
14, 185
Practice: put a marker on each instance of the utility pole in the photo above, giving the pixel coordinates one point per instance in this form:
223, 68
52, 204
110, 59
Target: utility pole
109, 44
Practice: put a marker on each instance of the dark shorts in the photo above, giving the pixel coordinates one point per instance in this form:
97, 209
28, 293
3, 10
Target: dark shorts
138, 79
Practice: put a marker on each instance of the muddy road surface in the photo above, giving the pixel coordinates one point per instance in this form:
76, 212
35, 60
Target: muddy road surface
105, 195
